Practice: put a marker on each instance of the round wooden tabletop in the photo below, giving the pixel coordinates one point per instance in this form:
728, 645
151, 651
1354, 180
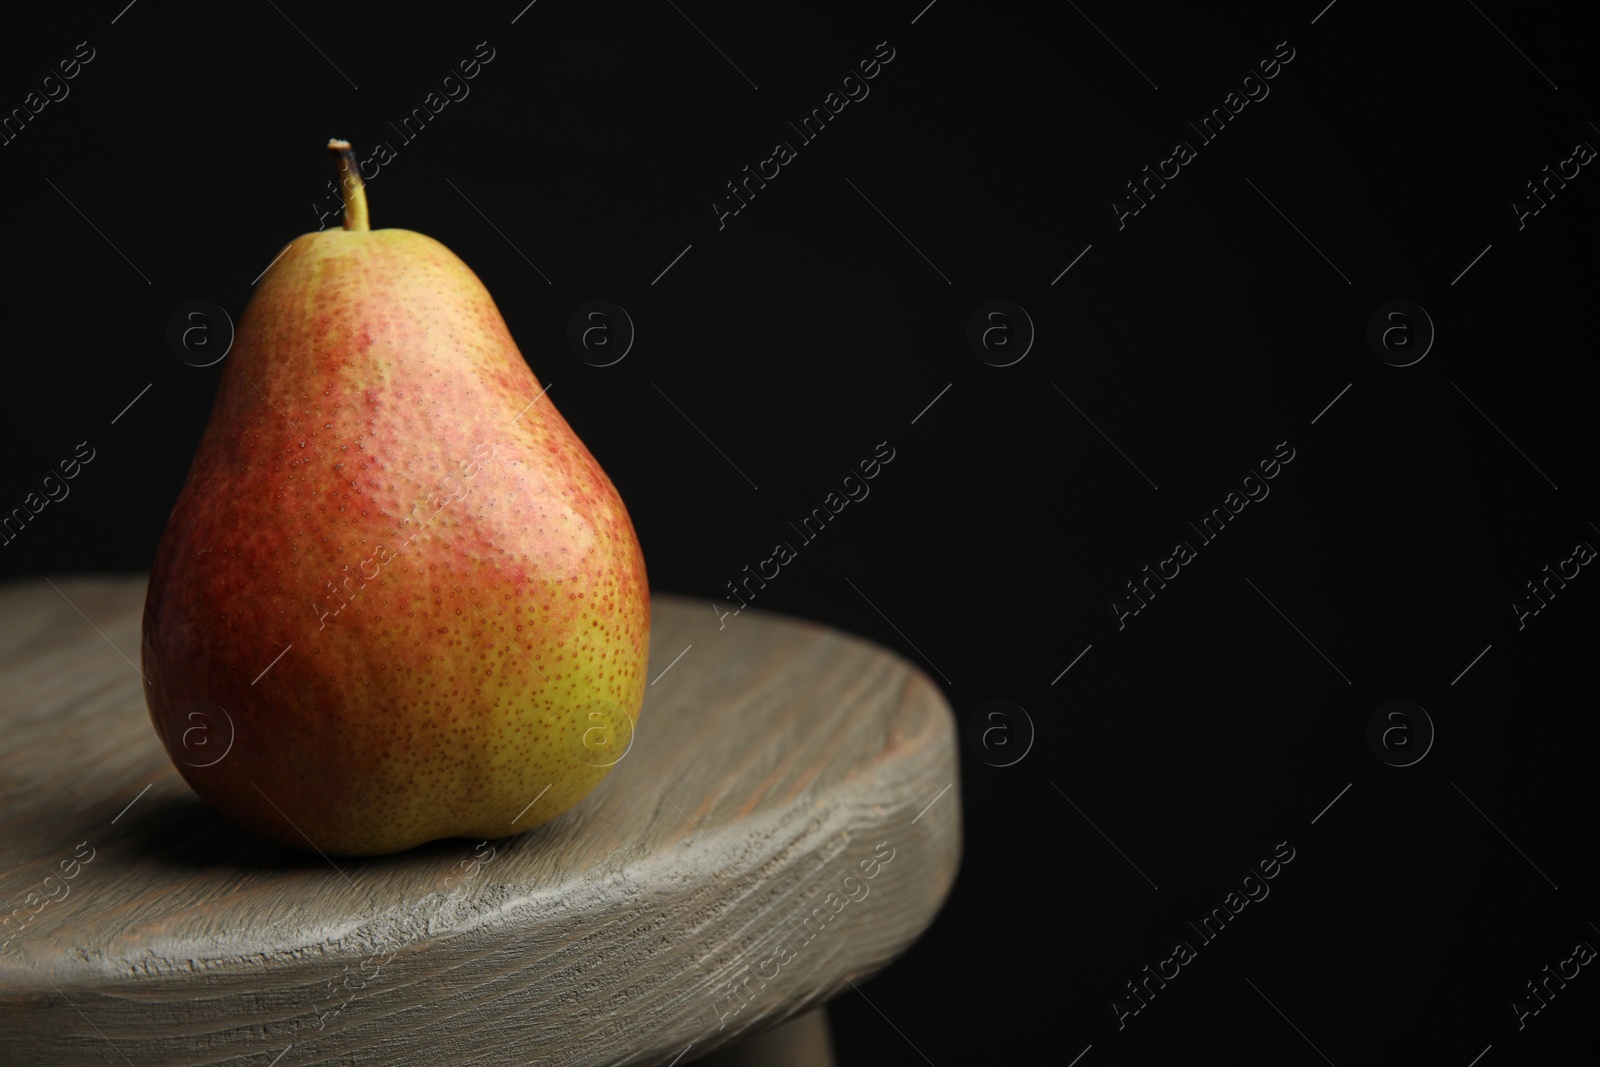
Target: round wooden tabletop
787, 821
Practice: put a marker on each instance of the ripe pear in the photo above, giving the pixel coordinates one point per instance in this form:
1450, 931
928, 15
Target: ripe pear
397, 599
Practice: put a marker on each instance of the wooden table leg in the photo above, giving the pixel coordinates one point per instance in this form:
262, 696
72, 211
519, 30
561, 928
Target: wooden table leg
804, 1041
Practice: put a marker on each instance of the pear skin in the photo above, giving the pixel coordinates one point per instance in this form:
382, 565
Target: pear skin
397, 598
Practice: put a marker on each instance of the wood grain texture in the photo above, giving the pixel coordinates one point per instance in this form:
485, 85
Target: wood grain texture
773, 761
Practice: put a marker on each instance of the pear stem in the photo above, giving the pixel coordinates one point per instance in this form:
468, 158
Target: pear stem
352, 187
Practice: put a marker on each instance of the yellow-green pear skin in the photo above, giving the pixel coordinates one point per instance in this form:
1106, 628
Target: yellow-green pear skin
397, 599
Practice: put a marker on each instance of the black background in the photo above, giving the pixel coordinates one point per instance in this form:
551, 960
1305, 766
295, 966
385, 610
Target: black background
808, 329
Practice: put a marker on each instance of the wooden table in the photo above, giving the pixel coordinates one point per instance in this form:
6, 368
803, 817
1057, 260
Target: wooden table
774, 761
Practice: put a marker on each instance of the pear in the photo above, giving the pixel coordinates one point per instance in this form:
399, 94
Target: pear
397, 599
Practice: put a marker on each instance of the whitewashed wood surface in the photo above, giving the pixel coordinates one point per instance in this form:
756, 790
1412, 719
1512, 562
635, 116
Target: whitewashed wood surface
767, 840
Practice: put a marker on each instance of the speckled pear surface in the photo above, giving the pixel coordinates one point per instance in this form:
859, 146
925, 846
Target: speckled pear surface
384, 497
